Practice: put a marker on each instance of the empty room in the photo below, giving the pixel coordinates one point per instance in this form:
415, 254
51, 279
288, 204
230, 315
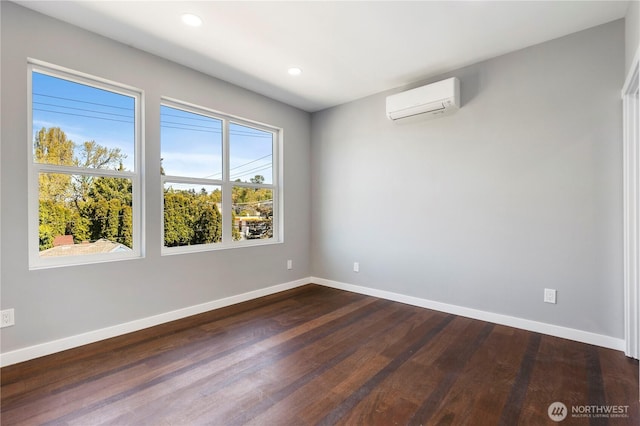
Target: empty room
317, 212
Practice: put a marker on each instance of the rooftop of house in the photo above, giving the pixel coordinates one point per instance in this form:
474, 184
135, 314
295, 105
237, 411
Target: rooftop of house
63, 240
100, 246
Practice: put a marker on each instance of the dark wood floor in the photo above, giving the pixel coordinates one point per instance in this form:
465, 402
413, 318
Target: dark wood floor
315, 355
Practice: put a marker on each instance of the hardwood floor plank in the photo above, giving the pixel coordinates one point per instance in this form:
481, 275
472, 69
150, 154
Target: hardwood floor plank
257, 373
513, 406
95, 362
316, 355
95, 352
318, 361
482, 387
427, 332
414, 380
452, 363
159, 363
336, 383
620, 385
228, 374
559, 375
595, 385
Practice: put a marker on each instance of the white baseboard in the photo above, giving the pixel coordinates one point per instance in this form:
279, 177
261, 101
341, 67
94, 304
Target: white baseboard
48, 348
54, 346
539, 327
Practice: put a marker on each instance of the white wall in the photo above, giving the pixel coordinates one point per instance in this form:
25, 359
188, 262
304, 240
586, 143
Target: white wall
632, 33
518, 191
57, 303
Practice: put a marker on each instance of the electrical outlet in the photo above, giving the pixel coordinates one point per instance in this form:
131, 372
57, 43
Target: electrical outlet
356, 267
549, 295
289, 264
7, 318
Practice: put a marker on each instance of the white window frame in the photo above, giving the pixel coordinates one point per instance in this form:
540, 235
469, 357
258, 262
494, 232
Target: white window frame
226, 184
34, 169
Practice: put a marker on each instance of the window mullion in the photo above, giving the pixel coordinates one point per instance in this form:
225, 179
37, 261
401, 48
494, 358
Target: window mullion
196, 181
73, 170
254, 185
227, 217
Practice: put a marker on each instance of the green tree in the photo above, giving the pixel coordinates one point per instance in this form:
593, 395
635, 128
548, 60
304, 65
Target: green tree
54, 219
177, 229
51, 146
207, 224
236, 235
96, 156
81, 205
191, 217
108, 209
126, 226
93, 156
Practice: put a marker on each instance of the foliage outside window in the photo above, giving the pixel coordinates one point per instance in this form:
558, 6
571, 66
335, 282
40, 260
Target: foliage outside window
84, 175
218, 176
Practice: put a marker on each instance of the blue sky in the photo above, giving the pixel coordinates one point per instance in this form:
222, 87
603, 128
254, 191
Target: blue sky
192, 147
191, 144
85, 113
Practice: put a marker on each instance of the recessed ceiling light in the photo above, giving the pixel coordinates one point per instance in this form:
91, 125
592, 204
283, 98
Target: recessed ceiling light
191, 20
294, 71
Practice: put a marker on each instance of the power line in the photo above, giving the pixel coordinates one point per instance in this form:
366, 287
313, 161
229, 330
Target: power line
186, 124
182, 126
204, 118
81, 115
269, 201
193, 130
84, 102
252, 132
241, 165
256, 169
83, 109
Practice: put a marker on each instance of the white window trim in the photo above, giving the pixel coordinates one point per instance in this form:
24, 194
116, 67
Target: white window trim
227, 185
34, 169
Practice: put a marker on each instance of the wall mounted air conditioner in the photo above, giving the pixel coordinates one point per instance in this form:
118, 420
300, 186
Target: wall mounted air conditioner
432, 100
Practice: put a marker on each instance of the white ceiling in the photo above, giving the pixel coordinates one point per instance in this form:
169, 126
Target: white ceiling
347, 50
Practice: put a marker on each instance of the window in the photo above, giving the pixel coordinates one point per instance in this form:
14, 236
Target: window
219, 178
84, 201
